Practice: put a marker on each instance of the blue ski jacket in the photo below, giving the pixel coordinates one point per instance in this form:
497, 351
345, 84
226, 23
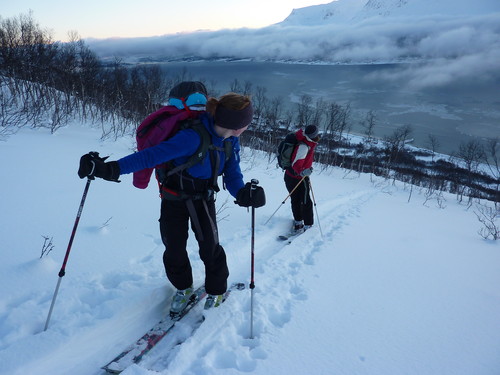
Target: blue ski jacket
180, 147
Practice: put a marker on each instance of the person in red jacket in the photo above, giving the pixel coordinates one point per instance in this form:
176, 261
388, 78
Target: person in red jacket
301, 166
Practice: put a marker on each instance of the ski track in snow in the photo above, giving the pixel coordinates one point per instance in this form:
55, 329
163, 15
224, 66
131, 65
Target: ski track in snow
235, 351
96, 303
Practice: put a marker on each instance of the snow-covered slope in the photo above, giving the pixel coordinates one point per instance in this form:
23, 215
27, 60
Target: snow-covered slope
390, 285
353, 11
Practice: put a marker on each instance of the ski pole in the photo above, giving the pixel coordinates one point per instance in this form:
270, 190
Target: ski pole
315, 208
62, 272
284, 200
253, 185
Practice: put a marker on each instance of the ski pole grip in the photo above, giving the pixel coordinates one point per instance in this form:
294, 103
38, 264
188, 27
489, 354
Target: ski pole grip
253, 185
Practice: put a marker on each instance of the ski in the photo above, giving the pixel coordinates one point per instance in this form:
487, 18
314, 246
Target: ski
135, 352
234, 286
289, 237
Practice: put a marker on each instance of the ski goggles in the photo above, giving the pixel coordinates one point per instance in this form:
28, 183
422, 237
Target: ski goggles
195, 101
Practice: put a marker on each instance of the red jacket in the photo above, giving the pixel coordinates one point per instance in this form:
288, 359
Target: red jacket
302, 156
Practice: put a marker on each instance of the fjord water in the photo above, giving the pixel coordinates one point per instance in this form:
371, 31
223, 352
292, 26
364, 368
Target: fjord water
454, 113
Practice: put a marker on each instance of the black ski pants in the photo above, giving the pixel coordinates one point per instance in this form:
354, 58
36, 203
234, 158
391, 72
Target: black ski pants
300, 200
174, 228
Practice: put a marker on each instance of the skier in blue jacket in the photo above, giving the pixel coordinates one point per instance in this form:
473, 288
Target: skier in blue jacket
189, 195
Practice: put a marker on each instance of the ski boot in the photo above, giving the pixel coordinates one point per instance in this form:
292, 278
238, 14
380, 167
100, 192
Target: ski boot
180, 300
298, 227
213, 301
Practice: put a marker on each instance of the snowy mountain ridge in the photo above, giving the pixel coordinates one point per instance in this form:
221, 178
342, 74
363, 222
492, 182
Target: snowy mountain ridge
354, 11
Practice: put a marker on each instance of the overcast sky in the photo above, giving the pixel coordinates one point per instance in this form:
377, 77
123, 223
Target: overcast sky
136, 18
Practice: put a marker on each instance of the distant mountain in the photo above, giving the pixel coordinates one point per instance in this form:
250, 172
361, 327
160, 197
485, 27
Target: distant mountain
354, 11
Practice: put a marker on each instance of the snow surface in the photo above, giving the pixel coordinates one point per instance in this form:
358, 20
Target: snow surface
354, 11
389, 287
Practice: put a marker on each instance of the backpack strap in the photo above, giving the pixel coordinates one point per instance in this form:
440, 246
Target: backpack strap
205, 146
196, 221
228, 148
215, 162
205, 142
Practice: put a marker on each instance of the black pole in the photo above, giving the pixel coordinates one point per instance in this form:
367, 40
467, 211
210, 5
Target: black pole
62, 272
316, 208
284, 200
253, 183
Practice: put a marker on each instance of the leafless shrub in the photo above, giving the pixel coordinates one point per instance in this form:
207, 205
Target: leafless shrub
436, 195
106, 223
220, 209
47, 246
488, 217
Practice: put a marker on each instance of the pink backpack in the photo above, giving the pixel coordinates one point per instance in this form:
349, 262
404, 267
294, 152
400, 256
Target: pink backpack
156, 128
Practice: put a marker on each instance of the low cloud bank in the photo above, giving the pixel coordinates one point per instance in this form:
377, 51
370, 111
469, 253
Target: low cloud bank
448, 47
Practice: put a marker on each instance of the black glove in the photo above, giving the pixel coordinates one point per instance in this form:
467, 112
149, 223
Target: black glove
92, 165
306, 172
248, 197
